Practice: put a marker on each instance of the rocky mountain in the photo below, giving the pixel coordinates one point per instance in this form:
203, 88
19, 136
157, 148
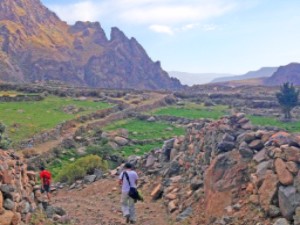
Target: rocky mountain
36, 46
288, 73
196, 78
263, 72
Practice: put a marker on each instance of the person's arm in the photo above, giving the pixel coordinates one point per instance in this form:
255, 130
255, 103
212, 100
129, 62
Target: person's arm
42, 181
136, 180
120, 181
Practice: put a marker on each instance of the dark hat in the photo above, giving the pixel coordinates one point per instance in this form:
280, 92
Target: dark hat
128, 166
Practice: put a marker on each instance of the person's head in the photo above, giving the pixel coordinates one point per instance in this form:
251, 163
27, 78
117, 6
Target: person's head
128, 166
42, 168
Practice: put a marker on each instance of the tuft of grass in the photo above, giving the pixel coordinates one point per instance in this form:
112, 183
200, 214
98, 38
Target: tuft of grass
25, 119
193, 111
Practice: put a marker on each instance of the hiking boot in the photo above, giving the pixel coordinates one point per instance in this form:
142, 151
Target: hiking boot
132, 222
127, 218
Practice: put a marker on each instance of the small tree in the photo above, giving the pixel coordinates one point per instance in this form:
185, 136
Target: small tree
287, 98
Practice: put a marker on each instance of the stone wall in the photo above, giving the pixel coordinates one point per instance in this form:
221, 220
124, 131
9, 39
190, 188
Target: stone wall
17, 186
228, 165
21, 98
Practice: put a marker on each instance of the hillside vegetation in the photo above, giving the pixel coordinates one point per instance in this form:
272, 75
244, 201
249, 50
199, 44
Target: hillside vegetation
25, 119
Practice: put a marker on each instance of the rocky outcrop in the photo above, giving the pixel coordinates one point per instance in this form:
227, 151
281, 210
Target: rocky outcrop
36, 46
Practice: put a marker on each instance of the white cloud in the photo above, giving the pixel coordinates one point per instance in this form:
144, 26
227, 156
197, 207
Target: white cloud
80, 11
174, 14
162, 29
209, 27
163, 16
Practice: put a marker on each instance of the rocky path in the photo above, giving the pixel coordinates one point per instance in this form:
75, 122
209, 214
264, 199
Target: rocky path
99, 204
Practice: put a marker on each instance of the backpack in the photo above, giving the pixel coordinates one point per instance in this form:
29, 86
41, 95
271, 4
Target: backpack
133, 192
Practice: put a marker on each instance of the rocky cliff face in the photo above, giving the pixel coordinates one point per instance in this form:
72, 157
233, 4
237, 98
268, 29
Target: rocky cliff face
289, 73
36, 46
228, 172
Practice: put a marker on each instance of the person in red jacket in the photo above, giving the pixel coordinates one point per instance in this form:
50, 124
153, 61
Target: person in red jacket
45, 176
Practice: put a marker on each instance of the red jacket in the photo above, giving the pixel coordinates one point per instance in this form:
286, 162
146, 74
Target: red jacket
45, 176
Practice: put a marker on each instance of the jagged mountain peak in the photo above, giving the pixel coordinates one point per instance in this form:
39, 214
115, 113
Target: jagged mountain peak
41, 47
26, 12
117, 35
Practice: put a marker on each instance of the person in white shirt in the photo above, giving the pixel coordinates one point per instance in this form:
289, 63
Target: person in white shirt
127, 202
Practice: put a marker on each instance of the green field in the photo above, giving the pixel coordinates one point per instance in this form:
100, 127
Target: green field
194, 111
270, 121
24, 119
142, 130
140, 149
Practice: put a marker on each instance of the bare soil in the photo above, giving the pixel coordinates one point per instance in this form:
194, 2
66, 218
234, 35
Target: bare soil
99, 204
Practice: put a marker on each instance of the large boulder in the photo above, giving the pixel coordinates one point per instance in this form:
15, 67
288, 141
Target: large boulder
226, 146
6, 217
121, 141
268, 190
281, 221
226, 173
284, 175
256, 144
291, 153
289, 200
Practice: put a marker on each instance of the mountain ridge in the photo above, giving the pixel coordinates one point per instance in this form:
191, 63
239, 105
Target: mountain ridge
36, 46
288, 73
262, 72
195, 78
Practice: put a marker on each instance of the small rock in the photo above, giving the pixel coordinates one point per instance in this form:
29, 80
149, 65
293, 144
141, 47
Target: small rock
185, 214
281, 221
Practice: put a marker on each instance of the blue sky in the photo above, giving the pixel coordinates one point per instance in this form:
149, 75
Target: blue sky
223, 36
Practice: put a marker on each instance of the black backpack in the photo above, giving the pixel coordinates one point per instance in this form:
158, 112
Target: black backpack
133, 192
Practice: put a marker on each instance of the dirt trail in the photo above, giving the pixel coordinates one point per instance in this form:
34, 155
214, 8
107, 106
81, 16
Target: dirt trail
99, 204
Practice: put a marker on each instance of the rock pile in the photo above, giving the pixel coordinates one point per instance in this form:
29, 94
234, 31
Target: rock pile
229, 166
20, 195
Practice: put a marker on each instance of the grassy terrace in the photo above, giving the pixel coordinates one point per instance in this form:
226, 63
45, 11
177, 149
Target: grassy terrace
194, 111
24, 119
142, 130
271, 121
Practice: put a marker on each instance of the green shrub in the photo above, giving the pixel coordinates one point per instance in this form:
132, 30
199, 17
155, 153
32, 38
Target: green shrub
81, 167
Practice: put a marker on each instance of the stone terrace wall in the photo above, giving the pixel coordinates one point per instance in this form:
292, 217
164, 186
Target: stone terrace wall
224, 163
16, 190
21, 98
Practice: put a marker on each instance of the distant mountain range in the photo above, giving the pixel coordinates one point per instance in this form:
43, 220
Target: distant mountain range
263, 72
36, 46
269, 76
196, 78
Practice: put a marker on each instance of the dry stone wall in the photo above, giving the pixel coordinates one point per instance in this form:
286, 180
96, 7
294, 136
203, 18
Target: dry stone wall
228, 167
20, 195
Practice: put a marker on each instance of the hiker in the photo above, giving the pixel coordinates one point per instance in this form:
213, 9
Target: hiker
45, 176
127, 202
